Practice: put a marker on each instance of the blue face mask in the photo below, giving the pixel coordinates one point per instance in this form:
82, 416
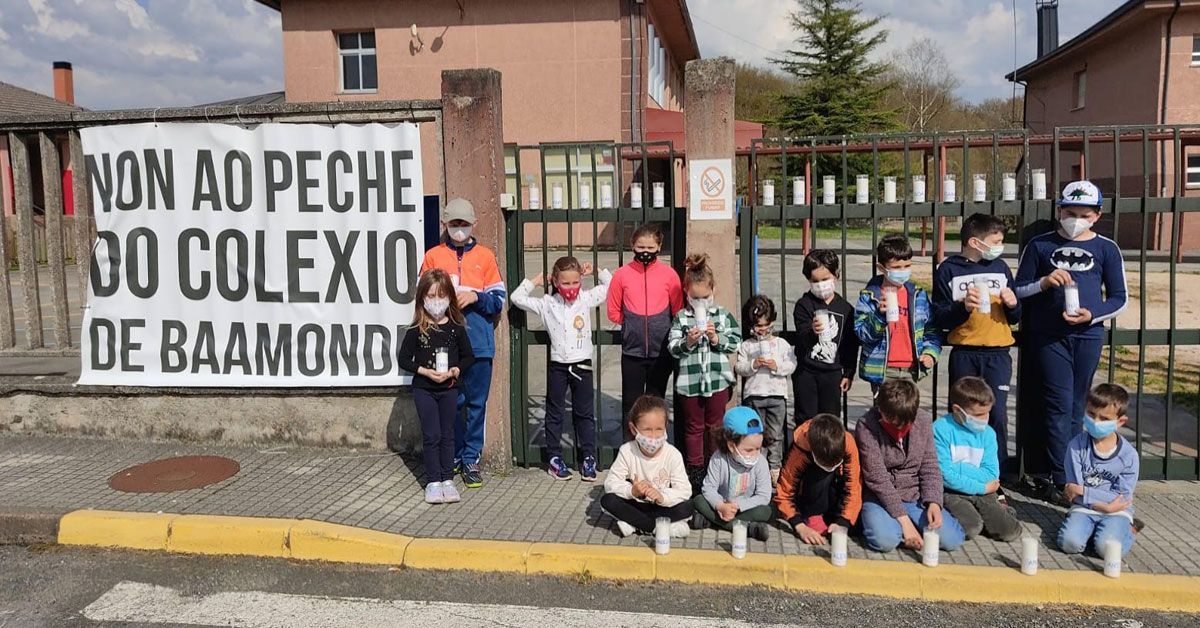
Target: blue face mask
1098, 429
973, 423
899, 277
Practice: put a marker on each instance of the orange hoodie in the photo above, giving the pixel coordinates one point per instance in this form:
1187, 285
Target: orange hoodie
791, 484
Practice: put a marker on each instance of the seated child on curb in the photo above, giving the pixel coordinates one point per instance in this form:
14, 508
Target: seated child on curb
1102, 471
967, 453
738, 484
820, 485
902, 484
766, 361
648, 479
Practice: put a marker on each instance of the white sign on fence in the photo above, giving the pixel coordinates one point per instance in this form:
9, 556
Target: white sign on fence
710, 193
283, 255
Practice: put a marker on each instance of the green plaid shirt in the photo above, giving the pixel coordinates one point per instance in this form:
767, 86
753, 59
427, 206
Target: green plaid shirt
704, 369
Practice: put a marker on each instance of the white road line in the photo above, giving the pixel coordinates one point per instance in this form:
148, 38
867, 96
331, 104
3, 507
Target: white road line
147, 603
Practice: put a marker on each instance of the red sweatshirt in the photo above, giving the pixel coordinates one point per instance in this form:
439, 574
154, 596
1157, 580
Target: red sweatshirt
643, 300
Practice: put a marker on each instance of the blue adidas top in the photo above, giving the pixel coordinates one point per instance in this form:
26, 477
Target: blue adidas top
1097, 269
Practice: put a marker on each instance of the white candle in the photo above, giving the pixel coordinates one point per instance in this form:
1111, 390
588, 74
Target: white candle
983, 287
889, 189
798, 190
838, 543
556, 196
441, 361
1039, 184
1009, 187
1029, 555
768, 192
635, 195
918, 188
660, 194
929, 552
739, 539
893, 305
662, 536
585, 195
950, 189
606, 198
826, 319
535, 197
1112, 558
1071, 299
828, 190
980, 188
862, 189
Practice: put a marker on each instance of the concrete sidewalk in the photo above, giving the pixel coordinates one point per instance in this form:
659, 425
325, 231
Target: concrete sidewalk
53, 476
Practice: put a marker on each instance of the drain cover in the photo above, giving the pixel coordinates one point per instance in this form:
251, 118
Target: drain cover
174, 474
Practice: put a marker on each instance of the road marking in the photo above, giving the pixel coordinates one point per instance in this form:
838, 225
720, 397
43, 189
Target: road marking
148, 603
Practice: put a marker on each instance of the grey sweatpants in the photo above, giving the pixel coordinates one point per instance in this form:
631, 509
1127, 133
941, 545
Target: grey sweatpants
983, 513
773, 412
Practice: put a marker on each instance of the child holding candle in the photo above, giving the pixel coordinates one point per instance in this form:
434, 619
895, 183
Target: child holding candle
766, 361
737, 486
820, 486
567, 313
892, 319
902, 482
648, 480
826, 347
1102, 472
437, 351
1063, 347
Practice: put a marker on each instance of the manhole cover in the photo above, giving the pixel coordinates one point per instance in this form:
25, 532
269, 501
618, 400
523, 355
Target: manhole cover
174, 474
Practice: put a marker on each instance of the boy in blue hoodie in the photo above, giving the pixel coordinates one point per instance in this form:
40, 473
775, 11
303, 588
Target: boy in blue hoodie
1102, 471
905, 348
981, 340
966, 449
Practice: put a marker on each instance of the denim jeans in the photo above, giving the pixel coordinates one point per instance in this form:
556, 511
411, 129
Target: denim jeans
884, 534
1080, 527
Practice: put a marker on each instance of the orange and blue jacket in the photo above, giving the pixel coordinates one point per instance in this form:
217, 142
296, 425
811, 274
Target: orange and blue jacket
476, 269
789, 493
643, 300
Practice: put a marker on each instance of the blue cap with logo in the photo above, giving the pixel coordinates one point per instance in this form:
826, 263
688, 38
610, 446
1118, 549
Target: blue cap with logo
743, 421
1082, 194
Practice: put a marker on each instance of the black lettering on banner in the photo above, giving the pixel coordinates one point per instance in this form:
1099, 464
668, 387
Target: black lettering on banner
306, 183
101, 179
133, 262
377, 183
128, 345
112, 246
206, 190
238, 291
385, 365
174, 334
296, 263
342, 267
261, 294
400, 182
372, 267
159, 179
235, 350
193, 292
318, 352
335, 203
128, 159
108, 343
283, 182
238, 200
205, 351
277, 359
347, 351
391, 264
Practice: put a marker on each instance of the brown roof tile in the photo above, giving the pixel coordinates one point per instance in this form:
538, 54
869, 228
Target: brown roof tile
18, 101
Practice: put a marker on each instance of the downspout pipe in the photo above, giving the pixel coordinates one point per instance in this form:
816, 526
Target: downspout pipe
1162, 116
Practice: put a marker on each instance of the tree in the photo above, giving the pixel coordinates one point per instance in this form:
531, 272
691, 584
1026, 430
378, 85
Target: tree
841, 88
759, 94
924, 86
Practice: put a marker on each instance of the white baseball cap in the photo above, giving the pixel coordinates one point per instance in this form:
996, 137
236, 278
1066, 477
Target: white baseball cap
1081, 193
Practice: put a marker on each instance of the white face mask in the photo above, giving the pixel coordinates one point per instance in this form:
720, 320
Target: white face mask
1074, 227
437, 307
990, 253
745, 461
827, 469
824, 289
702, 303
650, 445
459, 234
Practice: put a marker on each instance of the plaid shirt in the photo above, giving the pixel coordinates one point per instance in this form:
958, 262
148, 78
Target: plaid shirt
704, 369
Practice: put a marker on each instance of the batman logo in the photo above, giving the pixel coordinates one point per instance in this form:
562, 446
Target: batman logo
1072, 258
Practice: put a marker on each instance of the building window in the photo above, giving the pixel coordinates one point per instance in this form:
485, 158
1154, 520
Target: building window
1195, 49
1079, 90
1193, 171
656, 81
358, 67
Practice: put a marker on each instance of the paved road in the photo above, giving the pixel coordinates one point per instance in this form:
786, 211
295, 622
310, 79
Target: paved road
82, 587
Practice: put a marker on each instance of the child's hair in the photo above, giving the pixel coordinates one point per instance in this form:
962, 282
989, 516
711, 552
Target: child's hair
721, 439
435, 277
648, 230
647, 404
827, 439
1105, 395
980, 226
817, 258
898, 400
971, 391
759, 306
696, 270
893, 248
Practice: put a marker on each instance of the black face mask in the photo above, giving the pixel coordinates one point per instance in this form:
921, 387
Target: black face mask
646, 257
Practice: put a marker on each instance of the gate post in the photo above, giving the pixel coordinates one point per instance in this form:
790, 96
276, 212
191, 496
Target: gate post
473, 149
708, 127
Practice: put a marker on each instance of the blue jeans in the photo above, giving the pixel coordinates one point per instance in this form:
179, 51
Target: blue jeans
884, 534
1080, 527
473, 396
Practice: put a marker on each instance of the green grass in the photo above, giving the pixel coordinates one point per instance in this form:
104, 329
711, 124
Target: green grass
795, 234
1186, 381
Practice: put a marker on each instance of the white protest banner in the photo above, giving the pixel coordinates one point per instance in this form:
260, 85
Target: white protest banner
283, 255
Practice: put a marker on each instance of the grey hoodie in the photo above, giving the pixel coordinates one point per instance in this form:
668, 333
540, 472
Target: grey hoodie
728, 480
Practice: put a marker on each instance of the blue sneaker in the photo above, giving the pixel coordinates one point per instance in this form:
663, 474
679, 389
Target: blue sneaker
587, 470
559, 469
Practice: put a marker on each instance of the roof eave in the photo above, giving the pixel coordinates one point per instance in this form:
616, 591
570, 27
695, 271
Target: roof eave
274, 4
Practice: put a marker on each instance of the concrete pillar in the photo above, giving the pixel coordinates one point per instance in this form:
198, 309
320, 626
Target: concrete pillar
473, 147
708, 124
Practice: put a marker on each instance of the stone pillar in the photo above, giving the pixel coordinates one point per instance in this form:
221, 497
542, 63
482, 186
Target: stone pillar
708, 124
473, 146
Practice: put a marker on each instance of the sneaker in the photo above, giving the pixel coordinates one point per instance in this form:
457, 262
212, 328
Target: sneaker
559, 469
587, 470
624, 529
471, 476
450, 492
680, 530
434, 494
457, 467
699, 522
1138, 525
757, 530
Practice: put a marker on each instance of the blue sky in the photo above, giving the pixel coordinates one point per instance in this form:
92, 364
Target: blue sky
153, 53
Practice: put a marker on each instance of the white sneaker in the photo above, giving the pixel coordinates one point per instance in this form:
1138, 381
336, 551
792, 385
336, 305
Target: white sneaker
680, 530
434, 494
625, 529
450, 492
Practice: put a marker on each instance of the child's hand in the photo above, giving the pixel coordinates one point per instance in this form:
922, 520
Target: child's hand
845, 385
638, 489
973, 299
467, 297
1083, 316
883, 301
1056, 279
1072, 492
933, 515
1008, 297
455, 373
809, 535
436, 377
991, 487
587, 269
693, 336
727, 511
652, 494
1116, 505
770, 363
927, 361
711, 332
818, 324
538, 279
912, 537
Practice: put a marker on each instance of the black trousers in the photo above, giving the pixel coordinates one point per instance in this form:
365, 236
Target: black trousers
817, 392
576, 378
995, 367
641, 515
437, 410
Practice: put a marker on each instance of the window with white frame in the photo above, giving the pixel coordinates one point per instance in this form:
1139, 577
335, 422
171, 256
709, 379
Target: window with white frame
1193, 170
1195, 49
656, 80
1079, 95
359, 71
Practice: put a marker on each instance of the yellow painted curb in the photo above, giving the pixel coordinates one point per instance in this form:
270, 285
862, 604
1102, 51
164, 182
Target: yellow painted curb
103, 528
716, 567
506, 556
317, 540
597, 561
863, 577
241, 536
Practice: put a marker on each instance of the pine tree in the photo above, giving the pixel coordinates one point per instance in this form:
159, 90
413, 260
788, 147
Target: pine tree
842, 89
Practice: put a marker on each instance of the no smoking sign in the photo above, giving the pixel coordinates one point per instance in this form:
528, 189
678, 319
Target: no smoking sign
710, 196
